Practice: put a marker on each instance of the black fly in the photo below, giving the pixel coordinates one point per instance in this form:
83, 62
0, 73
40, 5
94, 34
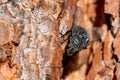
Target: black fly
77, 40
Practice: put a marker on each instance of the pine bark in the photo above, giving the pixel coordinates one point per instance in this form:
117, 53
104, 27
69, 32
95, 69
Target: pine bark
33, 39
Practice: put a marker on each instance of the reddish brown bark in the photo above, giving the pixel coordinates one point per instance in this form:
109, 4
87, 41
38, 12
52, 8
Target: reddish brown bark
33, 39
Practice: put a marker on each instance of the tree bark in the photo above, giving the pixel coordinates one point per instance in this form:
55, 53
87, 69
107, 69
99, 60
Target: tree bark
33, 39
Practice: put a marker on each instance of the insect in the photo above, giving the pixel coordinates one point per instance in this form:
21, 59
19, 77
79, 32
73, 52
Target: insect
77, 40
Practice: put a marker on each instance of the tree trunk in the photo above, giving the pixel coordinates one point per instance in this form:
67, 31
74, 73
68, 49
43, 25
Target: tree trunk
34, 35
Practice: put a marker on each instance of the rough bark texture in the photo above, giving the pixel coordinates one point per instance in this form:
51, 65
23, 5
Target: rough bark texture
33, 39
